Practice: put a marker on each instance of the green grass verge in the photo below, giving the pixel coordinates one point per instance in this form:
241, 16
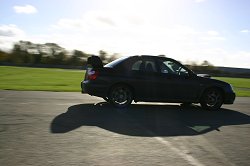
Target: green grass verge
44, 79
40, 79
241, 86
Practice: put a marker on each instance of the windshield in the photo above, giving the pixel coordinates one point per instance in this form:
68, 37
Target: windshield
115, 62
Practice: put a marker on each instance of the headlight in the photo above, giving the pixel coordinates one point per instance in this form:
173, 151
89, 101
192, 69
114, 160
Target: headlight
229, 88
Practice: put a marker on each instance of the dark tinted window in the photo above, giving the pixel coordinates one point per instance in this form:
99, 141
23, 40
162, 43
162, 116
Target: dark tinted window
115, 62
137, 66
171, 67
150, 66
144, 65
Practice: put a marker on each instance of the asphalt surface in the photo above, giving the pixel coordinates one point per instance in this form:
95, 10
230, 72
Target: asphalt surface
57, 128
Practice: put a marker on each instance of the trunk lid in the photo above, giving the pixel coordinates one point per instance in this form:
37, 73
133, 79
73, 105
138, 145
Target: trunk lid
94, 64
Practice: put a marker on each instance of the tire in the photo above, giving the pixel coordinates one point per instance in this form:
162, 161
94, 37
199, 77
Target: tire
120, 96
212, 99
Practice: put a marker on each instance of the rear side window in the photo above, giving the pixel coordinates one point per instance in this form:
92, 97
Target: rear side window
144, 65
115, 62
150, 66
137, 65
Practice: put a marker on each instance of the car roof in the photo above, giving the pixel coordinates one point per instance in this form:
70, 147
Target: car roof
155, 57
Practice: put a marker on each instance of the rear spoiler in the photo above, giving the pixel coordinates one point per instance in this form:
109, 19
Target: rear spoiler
94, 62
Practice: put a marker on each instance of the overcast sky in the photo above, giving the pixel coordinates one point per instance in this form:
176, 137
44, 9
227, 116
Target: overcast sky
186, 30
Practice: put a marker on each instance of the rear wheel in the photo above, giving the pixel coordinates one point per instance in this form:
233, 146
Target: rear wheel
120, 96
212, 99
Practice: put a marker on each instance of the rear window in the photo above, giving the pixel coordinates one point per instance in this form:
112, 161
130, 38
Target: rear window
115, 62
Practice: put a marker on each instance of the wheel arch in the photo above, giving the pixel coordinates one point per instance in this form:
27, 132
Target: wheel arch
213, 87
124, 84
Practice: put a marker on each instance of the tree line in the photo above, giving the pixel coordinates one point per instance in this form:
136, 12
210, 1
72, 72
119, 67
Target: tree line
28, 53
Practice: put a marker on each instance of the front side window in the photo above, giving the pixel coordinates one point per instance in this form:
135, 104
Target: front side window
171, 67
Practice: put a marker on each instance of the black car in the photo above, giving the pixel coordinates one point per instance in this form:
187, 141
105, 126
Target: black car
153, 79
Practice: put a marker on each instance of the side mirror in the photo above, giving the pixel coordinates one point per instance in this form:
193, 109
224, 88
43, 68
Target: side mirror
192, 75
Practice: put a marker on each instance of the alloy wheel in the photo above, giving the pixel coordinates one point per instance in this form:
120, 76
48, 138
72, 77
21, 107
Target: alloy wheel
120, 96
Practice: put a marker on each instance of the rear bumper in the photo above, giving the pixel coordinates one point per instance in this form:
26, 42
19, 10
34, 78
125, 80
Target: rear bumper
94, 89
229, 98
83, 88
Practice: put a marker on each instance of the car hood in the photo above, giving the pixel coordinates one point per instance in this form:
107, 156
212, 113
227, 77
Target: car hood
204, 75
209, 80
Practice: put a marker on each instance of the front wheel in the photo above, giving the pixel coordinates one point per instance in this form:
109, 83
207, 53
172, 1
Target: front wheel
120, 96
212, 99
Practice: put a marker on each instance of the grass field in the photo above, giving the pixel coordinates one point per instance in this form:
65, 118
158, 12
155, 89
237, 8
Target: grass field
43, 79
240, 85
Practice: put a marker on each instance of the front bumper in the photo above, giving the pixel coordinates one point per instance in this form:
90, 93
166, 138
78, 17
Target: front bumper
229, 98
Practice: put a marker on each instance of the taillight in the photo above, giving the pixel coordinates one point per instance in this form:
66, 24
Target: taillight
92, 74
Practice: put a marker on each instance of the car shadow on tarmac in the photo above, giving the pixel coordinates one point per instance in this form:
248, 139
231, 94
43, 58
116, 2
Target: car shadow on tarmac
147, 120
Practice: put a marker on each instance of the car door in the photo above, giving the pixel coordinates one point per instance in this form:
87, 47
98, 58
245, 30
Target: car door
144, 79
175, 82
